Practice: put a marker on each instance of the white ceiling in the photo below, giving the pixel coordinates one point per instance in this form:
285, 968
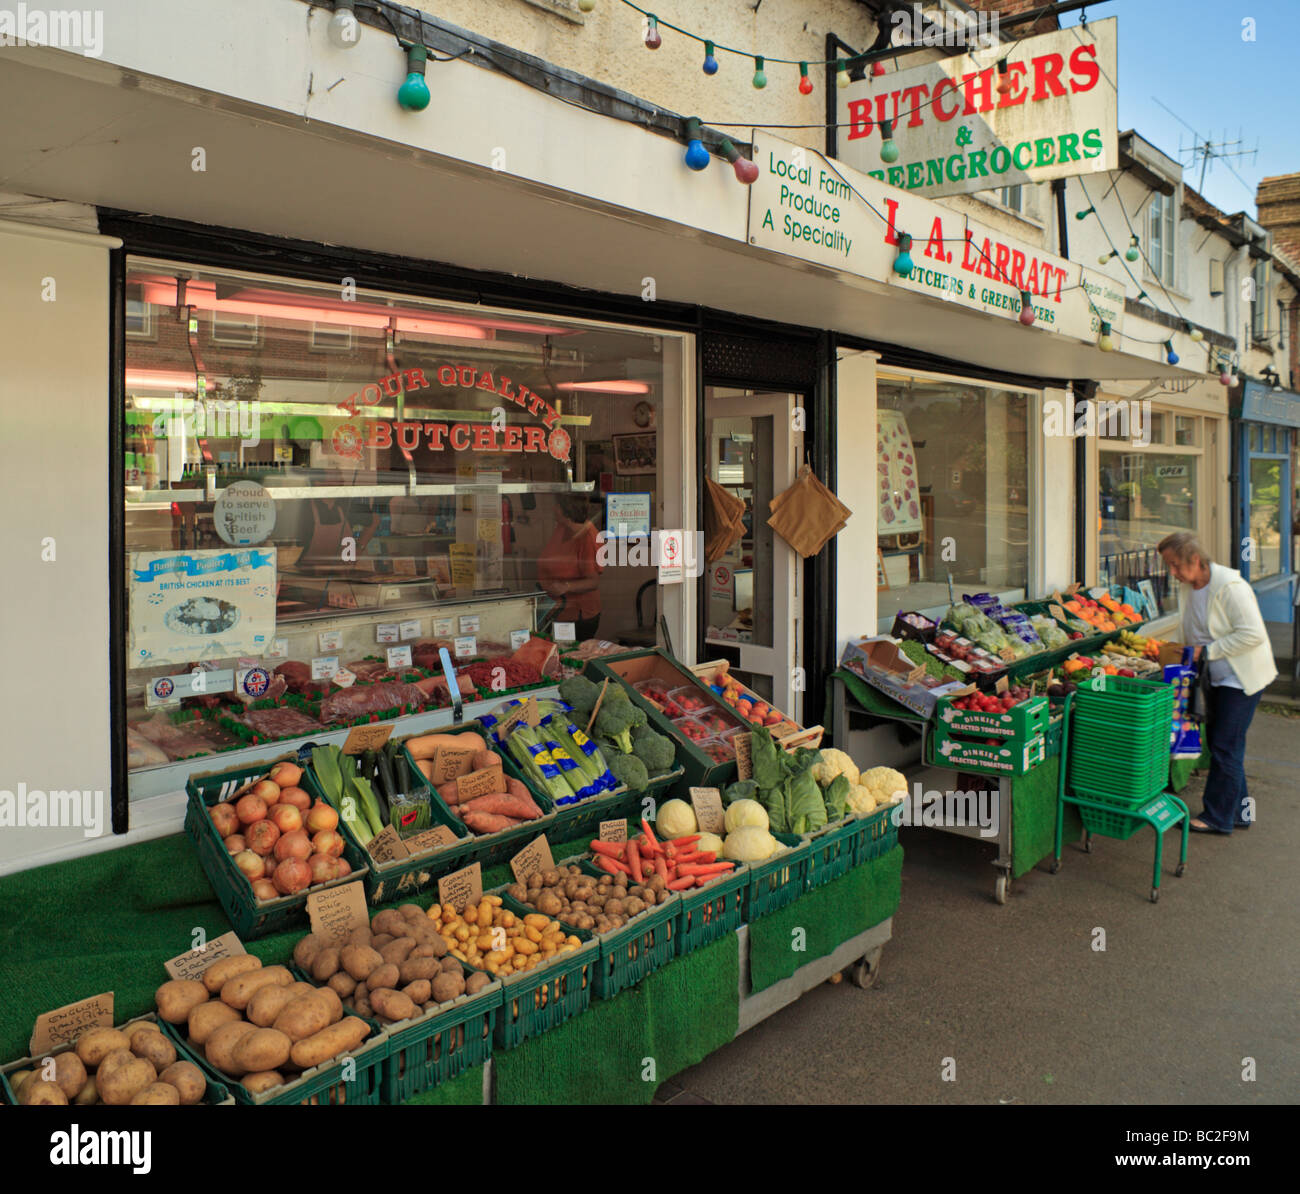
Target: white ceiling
118, 140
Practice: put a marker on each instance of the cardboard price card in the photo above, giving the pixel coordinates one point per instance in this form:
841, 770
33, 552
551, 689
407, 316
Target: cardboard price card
536, 856
481, 783
744, 756
451, 762
461, 888
193, 962
68, 1022
387, 845
336, 911
431, 839
707, 803
613, 831
363, 738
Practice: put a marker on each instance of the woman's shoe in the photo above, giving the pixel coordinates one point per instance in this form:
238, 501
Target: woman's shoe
1203, 828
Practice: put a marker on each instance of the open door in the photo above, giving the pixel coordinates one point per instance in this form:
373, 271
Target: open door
753, 598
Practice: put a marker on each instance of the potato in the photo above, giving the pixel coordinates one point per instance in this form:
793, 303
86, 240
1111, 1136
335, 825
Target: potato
154, 1047
188, 1079
361, 936
39, 1093
69, 1073
157, 1094
265, 1080
126, 1081
16, 1080
261, 1049
420, 991
359, 960
650, 896
240, 989
301, 1018
396, 951
448, 986
411, 912
451, 966
548, 903
341, 983
208, 1017
386, 975
389, 921
88, 1096
614, 907
476, 982
584, 921
379, 940
177, 998
361, 1003
138, 1026
270, 1001
550, 878
634, 906
93, 1046
338, 1038
304, 953
517, 891
335, 1004
418, 968
223, 970
220, 1047
392, 1005
325, 965
117, 1058
535, 881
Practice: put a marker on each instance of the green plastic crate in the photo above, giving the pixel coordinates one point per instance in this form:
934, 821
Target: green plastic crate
1122, 700
1109, 824
548, 995
878, 834
440, 1045
779, 881
323, 1086
709, 913
832, 850
252, 918
1023, 721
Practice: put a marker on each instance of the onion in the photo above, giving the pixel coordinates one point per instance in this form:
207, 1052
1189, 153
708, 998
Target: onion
287, 775
297, 797
268, 790
343, 866
226, 821
321, 816
323, 868
261, 836
251, 864
294, 844
292, 876
327, 842
264, 889
250, 808
287, 818
235, 843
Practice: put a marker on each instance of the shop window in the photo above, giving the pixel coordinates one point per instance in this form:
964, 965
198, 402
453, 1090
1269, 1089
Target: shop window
953, 465
1187, 431
236, 330
1261, 305
1266, 517
440, 477
1144, 496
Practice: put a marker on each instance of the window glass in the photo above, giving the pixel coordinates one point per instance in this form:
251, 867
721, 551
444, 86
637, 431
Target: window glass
952, 460
1266, 517
1186, 431
1144, 497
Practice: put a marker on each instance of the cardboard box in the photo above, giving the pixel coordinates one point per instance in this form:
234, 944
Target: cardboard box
881, 663
1170, 653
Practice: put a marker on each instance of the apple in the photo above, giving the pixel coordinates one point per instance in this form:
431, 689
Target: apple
296, 797
321, 816
251, 864
294, 844
292, 876
224, 819
323, 868
328, 842
264, 889
287, 775
287, 818
235, 843
250, 808
268, 790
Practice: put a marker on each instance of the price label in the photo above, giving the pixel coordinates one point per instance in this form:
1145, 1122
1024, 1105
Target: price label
518, 638
193, 962
66, 1023
324, 667
481, 783
1001, 686
532, 714
451, 762
744, 756
386, 632
369, 737
466, 646
344, 678
613, 831
502, 731
1007, 655
330, 640
399, 657
409, 629
386, 846
1058, 613
336, 911
443, 627
403, 566
431, 839
279, 649
566, 632
534, 857
469, 624
462, 888
707, 803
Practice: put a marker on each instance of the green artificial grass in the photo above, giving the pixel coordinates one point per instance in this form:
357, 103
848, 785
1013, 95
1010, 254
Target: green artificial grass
828, 916
1033, 817
872, 700
465, 1090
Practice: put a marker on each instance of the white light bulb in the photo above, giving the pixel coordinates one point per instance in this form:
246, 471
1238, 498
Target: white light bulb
343, 29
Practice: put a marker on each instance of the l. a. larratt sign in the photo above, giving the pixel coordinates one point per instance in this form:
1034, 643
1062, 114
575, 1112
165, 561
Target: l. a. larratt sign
495, 437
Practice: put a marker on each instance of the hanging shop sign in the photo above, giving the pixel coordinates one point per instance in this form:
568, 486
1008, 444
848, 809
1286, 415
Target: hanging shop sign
997, 117
497, 436
812, 207
1263, 404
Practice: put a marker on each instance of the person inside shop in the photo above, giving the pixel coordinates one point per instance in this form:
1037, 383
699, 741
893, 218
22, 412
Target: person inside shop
567, 568
332, 519
1221, 620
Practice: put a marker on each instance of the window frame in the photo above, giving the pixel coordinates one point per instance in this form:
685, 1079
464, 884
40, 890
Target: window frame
1161, 264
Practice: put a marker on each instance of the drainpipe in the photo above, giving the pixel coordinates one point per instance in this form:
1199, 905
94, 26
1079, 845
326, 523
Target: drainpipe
1078, 388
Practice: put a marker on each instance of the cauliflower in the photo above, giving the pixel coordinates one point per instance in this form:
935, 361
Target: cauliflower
834, 762
885, 784
860, 800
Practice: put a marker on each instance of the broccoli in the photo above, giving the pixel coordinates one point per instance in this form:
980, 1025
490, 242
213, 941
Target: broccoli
654, 750
629, 770
616, 692
579, 692
614, 723
639, 718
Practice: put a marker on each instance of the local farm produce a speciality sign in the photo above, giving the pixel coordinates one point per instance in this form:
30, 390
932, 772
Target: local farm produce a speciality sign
812, 207
495, 436
200, 605
956, 132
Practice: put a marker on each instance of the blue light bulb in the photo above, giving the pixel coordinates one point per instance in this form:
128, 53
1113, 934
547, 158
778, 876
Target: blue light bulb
1170, 355
903, 262
710, 62
697, 157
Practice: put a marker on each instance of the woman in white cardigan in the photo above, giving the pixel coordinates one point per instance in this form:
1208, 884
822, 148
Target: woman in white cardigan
1221, 619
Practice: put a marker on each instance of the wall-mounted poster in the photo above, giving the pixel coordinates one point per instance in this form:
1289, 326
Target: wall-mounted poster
1148, 591
597, 458
200, 605
636, 455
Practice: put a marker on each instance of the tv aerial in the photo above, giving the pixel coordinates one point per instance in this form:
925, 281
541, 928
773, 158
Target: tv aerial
1207, 150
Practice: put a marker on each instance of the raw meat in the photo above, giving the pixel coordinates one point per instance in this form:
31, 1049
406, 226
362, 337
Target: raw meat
348, 703
278, 723
274, 691
177, 741
140, 752
298, 679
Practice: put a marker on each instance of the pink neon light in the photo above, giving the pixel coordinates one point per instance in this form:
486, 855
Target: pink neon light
607, 387
160, 379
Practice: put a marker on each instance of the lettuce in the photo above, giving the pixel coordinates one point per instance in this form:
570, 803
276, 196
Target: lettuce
807, 811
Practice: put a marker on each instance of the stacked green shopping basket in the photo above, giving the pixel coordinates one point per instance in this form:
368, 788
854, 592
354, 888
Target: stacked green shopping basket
1119, 746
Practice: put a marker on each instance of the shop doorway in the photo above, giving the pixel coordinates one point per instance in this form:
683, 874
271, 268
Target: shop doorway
753, 600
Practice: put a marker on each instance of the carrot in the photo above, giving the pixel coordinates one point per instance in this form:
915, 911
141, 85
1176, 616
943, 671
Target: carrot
698, 856
680, 842
661, 869
612, 865
651, 840
610, 849
682, 884
713, 868
634, 861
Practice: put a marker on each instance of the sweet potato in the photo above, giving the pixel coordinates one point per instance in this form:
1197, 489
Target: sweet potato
449, 792
502, 806
425, 745
488, 822
485, 758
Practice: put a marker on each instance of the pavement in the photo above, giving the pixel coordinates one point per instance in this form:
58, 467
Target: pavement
1014, 1004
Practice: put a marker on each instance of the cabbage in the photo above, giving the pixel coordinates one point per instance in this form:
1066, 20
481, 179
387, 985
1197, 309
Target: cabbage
750, 843
710, 841
676, 819
746, 812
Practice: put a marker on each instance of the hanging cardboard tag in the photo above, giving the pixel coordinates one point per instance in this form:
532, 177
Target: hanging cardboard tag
193, 962
462, 888
481, 783
1002, 685
613, 831
709, 815
1070, 590
1007, 655
336, 911
66, 1023
591, 721
532, 714
363, 738
534, 857
1058, 613
744, 756
502, 731
451, 762
431, 839
387, 845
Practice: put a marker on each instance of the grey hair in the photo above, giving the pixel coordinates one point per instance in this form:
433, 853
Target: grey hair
1185, 547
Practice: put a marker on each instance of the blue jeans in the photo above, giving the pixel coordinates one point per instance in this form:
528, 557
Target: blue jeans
1230, 712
